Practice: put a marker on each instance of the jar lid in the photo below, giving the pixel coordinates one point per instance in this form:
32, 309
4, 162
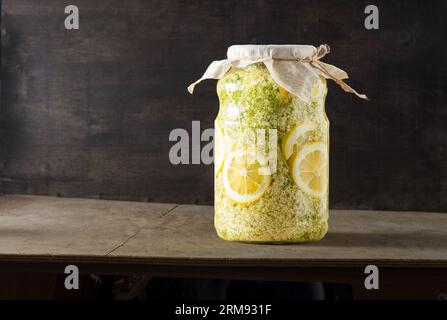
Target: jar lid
294, 67
283, 51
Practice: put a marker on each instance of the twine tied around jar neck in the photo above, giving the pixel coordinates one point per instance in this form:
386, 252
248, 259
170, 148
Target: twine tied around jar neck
314, 60
294, 67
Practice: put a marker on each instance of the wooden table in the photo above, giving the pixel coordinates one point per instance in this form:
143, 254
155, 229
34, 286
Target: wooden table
44, 234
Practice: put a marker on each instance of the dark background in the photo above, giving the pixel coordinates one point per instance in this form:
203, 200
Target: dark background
88, 112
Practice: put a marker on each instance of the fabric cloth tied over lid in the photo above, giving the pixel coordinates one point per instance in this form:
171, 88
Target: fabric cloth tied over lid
294, 67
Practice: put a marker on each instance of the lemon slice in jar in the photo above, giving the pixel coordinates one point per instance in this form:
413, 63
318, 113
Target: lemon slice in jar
219, 148
245, 176
296, 136
319, 89
309, 168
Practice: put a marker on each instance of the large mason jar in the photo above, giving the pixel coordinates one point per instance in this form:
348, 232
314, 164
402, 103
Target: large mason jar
272, 142
271, 160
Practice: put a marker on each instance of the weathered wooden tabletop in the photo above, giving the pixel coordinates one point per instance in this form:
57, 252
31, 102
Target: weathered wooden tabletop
35, 228
45, 234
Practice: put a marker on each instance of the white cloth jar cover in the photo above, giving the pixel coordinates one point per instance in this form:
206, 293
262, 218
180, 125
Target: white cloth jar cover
294, 67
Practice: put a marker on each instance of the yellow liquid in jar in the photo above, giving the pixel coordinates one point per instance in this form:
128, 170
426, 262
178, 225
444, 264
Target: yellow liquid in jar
254, 202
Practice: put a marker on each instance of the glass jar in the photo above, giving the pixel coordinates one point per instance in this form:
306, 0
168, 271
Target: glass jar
271, 160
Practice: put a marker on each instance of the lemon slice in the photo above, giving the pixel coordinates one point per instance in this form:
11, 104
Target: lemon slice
296, 136
319, 89
309, 168
219, 148
245, 179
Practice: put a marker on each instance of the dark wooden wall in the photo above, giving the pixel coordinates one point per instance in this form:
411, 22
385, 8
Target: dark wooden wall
88, 112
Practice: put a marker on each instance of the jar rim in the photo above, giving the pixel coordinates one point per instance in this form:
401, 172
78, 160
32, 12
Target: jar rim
274, 51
